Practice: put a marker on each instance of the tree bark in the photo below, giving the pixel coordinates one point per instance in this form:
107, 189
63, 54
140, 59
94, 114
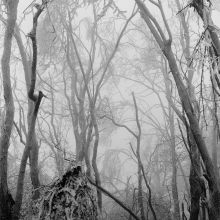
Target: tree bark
196, 183
34, 170
6, 200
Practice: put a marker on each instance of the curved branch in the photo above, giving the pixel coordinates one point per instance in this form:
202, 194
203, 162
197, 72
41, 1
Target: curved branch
164, 20
115, 199
148, 17
122, 126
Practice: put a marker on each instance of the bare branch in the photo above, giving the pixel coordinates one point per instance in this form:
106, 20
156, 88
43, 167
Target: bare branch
115, 199
112, 55
122, 126
19, 133
148, 17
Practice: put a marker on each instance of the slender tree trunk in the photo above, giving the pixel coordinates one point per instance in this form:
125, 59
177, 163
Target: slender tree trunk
87, 150
214, 115
31, 130
140, 190
138, 137
20, 184
215, 147
6, 200
95, 151
35, 147
176, 214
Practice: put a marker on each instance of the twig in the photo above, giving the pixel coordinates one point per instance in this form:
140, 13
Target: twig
184, 8
19, 133
28, 6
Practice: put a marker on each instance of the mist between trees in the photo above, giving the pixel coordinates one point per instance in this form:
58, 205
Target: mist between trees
109, 110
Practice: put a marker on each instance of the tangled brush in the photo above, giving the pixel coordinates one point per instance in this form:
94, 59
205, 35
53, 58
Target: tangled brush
69, 198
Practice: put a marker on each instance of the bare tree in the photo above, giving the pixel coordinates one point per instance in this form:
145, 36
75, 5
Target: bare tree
33, 157
31, 130
87, 73
6, 201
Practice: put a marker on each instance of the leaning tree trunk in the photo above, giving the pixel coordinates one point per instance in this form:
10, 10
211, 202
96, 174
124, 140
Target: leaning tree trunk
195, 170
203, 8
6, 201
212, 178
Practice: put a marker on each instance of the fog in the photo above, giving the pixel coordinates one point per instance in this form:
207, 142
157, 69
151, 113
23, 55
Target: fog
109, 109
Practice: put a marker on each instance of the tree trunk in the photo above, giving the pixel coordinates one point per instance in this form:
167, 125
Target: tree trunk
176, 214
214, 115
195, 173
35, 147
31, 130
140, 191
34, 171
204, 12
6, 200
213, 179
20, 184
95, 151
138, 138
195, 180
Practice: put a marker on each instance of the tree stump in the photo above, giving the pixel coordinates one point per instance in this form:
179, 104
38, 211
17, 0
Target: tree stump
69, 197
